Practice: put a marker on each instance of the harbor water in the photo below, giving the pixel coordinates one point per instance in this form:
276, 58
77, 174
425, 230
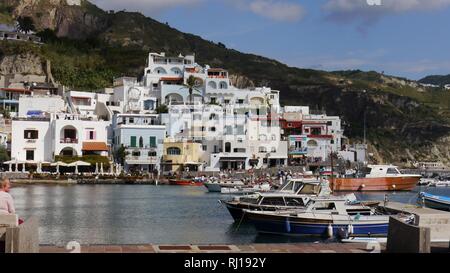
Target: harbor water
136, 214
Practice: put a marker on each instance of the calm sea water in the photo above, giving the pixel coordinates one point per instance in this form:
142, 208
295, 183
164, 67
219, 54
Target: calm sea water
133, 214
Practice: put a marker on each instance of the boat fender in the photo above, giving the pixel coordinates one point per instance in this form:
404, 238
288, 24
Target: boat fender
394, 186
288, 225
330, 230
363, 186
350, 229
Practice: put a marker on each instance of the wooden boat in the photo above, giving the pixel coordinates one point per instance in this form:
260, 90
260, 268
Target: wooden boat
435, 201
379, 178
185, 182
325, 217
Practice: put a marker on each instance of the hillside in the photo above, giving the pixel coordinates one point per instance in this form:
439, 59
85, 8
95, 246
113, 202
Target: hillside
436, 79
88, 47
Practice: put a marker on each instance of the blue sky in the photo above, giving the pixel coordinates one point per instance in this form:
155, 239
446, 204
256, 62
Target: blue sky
408, 38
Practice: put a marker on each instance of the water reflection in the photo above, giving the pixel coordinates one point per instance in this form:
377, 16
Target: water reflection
132, 214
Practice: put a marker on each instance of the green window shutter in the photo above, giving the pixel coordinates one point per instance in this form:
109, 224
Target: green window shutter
152, 141
133, 141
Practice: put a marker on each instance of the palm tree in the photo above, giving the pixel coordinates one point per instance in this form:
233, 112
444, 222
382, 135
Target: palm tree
193, 83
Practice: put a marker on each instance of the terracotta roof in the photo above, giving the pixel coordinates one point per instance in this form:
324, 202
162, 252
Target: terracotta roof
95, 146
171, 78
15, 90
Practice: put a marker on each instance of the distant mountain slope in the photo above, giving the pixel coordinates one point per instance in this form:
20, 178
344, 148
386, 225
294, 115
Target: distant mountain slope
436, 79
88, 47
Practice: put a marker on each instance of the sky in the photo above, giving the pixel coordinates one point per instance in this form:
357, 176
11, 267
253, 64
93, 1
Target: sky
407, 38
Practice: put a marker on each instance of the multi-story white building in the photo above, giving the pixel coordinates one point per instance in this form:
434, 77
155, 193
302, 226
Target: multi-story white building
142, 137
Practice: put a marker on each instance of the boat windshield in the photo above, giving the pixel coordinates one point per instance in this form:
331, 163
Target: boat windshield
309, 189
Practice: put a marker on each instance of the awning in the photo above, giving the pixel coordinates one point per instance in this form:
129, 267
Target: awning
233, 159
95, 146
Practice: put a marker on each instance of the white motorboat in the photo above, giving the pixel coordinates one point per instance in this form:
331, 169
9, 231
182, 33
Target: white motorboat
426, 181
438, 183
246, 189
217, 186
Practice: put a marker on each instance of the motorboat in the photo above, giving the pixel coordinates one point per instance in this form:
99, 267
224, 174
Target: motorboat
296, 193
440, 183
218, 185
434, 201
426, 181
376, 178
246, 189
329, 216
186, 182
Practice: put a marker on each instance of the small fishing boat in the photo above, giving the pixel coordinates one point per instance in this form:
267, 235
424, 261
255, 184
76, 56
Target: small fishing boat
426, 181
217, 186
185, 182
434, 201
246, 189
332, 216
439, 183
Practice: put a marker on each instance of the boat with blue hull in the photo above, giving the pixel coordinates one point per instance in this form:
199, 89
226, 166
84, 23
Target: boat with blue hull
296, 193
435, 201
325, 217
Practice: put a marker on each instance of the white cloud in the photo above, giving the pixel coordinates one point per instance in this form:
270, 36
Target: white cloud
351, 10
144, 6
277, 10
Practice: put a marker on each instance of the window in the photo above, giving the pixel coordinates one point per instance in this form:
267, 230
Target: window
152, 154
325, 206
213, 116
292, 201
131, 120
329, 123
30, 155
212, 129
205, 148
173, 151
226, 101
133, 141
273, 201
213, 100
262, 150
31, 134
392, 171
316, 131
91, 135
137, 153
240, 101
239, 150
228, 147
273, 150
153, 142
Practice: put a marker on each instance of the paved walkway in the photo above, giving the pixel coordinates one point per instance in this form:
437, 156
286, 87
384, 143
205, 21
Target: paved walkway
254, 248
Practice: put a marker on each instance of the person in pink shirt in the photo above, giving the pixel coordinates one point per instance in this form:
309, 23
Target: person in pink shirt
6, 200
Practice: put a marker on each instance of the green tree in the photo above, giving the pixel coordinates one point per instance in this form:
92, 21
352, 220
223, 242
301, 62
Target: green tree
26, 24
193, 83
121, 153
162, 109
3, 155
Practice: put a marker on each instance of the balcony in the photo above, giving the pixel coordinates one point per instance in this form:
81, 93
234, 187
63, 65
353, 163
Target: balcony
298, 151
69, 141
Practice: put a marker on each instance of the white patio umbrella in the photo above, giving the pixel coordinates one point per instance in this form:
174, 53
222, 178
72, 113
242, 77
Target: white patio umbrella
39, 167
101, 168
59, 163
79, 163
10, 167
17, 166
23, 167
96, 167
111, 168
